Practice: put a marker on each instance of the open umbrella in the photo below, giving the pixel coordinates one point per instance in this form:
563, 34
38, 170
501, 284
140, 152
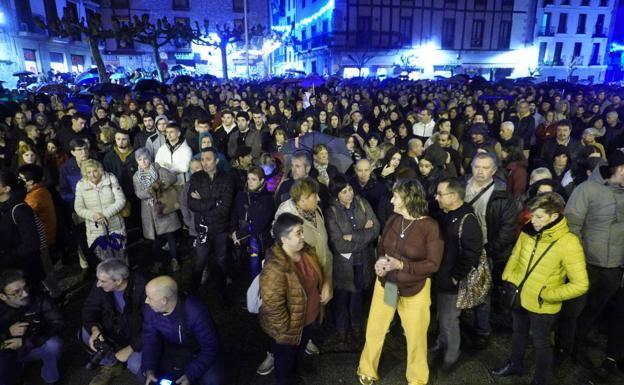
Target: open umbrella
22, 73
108, 246
181, 79
54, 88
177, 68
117, 76
108, 89
148, 85
339, 154
87, 78
312, 81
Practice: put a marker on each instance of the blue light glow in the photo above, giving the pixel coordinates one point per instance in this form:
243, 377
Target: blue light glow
326, 9
616, 47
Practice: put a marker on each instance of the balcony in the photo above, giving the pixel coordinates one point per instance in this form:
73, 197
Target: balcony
546, 31
600, 32
317, 41
578, 60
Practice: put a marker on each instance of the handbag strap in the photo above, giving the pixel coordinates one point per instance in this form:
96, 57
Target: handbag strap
461, 230
531, 268
480, 194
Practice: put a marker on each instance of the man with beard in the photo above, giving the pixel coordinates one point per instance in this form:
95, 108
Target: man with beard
120, 162
148, 130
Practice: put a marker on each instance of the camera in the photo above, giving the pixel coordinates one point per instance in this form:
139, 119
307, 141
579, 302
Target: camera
34, 323
102, 348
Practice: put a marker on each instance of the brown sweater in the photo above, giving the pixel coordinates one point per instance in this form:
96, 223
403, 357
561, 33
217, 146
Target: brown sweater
420, 250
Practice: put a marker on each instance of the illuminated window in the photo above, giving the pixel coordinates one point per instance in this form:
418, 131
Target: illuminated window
30, 60
77, 63
57, 62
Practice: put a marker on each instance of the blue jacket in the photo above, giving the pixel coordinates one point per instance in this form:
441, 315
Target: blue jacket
159, 329
68, 179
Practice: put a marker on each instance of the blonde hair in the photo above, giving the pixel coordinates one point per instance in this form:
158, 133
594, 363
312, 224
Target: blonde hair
87, 164
303, 188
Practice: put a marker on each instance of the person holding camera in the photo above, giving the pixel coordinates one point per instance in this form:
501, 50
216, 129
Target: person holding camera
180, 341
29, 330
113, 321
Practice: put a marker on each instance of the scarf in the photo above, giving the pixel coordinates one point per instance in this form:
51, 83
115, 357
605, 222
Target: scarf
307, 216
323, 176
147, 178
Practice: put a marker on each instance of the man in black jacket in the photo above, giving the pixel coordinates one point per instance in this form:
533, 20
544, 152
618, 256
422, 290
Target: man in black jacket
463, 245
497, 213
113, 314
210, 197
29, 330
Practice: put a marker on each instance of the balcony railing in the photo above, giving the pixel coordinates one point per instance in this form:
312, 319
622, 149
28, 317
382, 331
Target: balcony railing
546, 31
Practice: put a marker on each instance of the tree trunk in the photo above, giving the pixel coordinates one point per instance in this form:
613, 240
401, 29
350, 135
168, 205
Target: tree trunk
99, 62
156, 50
224, 65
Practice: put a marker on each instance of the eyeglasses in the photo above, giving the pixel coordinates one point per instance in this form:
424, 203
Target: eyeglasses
19, 292
439, 194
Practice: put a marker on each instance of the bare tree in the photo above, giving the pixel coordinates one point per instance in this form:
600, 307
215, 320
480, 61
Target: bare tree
155, 34
360, 60
91, 28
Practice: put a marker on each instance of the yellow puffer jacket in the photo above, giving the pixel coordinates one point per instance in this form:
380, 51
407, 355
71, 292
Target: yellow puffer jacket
546, 287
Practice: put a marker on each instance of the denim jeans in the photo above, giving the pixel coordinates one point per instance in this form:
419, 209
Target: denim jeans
348, 304
216, 244
540, 326
133, 364
287, 356
482, 326
49, 354
448, 319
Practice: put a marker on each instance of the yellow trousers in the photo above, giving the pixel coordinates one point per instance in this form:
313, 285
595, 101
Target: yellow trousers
414, 313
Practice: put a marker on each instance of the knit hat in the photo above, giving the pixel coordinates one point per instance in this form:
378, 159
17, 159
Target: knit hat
161, 117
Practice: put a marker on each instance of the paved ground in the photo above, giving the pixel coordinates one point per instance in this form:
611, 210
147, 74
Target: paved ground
245, 346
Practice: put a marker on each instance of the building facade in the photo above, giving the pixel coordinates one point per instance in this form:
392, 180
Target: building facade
572, 38
492, 38
203, 59
25, 46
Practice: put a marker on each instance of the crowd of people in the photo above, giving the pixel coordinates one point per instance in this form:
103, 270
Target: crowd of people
522, 185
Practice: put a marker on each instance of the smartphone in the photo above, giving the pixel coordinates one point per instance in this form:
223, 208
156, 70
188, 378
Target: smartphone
165, 382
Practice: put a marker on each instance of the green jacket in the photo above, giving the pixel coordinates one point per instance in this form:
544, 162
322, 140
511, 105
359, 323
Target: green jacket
559, 276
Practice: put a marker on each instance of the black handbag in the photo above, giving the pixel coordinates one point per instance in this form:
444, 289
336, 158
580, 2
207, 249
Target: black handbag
510, 293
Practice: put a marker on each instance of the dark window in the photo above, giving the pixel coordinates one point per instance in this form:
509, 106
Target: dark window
72, 10
549, 2
238, 5
504, 36
24, 15
180, 4
480, 4
604, 3
405, 28
364, 30
56, 57
51, 12
563, 23
577, 49
313, 64
593, 61
124, 44
302, 3
541, 56
584, 3
557, 55
476, 38
507, 5
600, 26
450, 3
325, 26
448, 33
582, 20
120, 3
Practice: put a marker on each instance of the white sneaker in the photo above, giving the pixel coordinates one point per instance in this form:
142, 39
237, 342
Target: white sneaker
311, 348
266, 366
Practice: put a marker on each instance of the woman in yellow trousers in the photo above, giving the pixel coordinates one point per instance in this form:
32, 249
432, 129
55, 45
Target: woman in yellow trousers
409, 251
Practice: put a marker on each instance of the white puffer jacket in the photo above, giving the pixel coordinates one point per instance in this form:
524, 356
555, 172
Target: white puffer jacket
107, 198
176, 160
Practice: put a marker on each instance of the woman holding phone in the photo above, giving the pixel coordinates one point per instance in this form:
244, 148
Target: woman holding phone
410, 250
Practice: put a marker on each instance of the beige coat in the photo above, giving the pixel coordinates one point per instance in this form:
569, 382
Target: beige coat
107, 198
315, 236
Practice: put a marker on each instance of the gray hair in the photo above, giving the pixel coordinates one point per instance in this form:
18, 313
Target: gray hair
612, 113
539, 174
115, 268
485, 155
508, 124
142, 152
302, 155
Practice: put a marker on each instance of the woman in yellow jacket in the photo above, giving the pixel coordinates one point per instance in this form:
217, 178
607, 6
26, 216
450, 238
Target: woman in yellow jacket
556, 256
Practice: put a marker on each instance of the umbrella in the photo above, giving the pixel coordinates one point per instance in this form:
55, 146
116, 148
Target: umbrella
148, 85
208, 77
22, 73
108, 89
87, 78
110, 245
54, 88
180, 79
177, 67
312, 81
117, 76
339, 155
